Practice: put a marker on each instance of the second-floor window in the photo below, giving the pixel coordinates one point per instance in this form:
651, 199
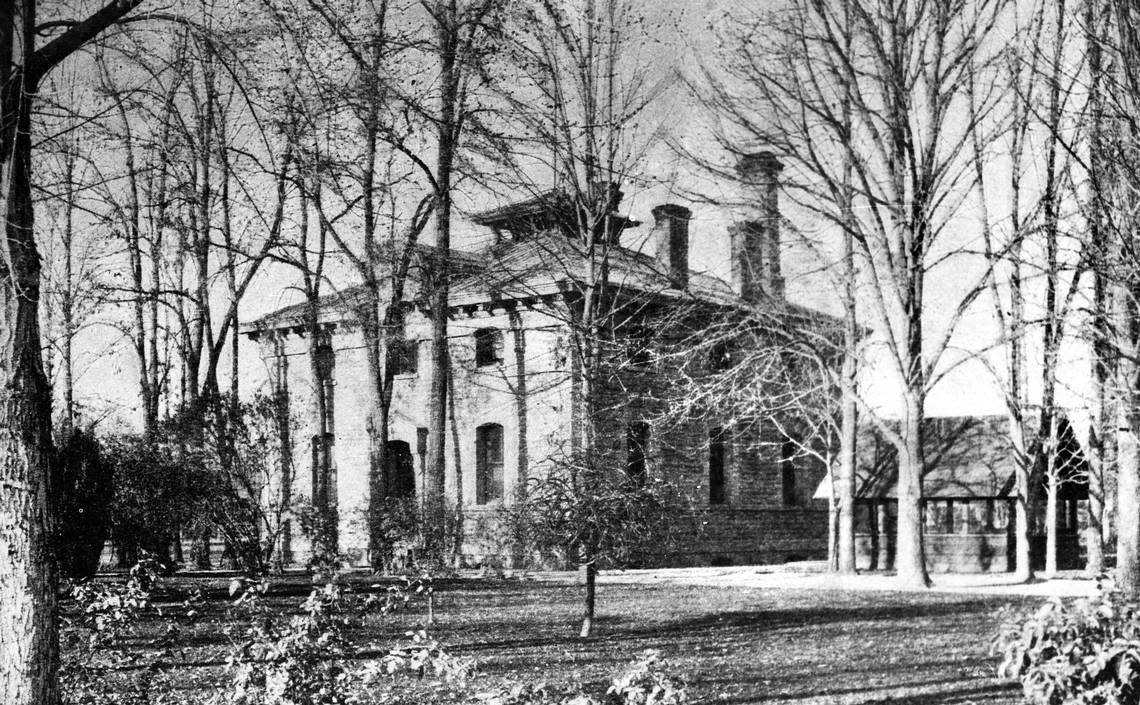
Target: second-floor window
403, 356
488, 347
638, 346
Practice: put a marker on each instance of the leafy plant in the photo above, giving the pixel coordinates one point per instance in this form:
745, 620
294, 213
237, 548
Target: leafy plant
299, 662
1086, 652
110, 610
109, 613
308, 659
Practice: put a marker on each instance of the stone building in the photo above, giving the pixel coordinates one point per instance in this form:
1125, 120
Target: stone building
516, 386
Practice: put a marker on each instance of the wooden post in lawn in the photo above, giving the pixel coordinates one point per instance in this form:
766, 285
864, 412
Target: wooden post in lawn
589, 572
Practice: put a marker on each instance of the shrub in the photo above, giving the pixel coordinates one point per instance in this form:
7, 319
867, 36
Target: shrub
308, 659
83, 498
396, 527
109, 613
110, 610
299, 662
1086, 652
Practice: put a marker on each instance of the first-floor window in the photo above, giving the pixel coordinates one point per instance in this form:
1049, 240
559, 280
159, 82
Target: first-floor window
636, 440
716, 466
401, 470
939, 516
488, 463
788, 473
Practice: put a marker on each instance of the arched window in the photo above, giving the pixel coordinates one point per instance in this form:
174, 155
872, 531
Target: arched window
401, 470
488, 463
488, 347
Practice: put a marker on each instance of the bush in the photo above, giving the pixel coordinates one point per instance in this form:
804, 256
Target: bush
1087, 652
101, 634
397, 528
84, 492
308, 660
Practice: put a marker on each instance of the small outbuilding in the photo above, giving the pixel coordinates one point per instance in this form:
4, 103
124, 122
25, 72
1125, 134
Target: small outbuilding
968, 498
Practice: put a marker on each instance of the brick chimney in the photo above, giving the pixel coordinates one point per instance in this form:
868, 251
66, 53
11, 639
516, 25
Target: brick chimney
670, 238
755, 243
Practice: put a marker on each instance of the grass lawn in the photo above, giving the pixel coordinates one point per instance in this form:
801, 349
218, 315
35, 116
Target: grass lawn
732, 645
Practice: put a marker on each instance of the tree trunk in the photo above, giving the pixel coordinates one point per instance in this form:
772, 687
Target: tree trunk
28, 608
832, 525
1098, 434
376, 344
456, 539
433, 500
910, 561
846, 477
285, 447
1051, 492
1128, 511
883, 529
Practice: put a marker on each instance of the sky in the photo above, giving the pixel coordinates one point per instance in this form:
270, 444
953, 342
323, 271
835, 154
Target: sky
686, 34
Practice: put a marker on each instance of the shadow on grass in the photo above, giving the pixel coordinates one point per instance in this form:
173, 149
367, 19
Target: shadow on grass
722, 624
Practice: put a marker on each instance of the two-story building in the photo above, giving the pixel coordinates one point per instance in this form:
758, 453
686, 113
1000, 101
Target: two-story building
516, 380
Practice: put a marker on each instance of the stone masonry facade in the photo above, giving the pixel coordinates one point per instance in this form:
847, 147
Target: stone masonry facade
513, 380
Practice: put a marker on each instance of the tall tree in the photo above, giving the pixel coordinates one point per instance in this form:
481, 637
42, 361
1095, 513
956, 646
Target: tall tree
581, 89
28, 609
396, 173
1027, 243
1117, 167
1100, 450
871, 95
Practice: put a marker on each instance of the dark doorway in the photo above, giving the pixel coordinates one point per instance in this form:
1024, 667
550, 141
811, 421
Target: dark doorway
402, 478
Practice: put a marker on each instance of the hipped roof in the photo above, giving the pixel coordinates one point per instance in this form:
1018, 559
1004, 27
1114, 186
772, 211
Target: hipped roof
540, 264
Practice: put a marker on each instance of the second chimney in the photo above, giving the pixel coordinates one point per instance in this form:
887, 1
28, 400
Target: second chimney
671, 242
756, 243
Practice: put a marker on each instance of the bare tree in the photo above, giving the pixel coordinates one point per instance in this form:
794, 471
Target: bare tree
75, 257
1026, 245
1116, 166
867, 104
27, 575
408, 145
1099, 447
580, 92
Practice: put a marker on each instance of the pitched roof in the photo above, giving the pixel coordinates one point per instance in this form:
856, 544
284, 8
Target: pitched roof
966, 456
343, 304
